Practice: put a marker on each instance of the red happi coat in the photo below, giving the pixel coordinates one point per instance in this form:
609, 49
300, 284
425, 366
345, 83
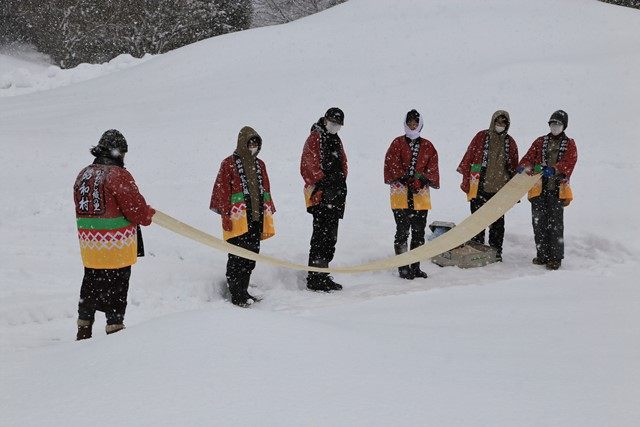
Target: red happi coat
471, 162
228, 200
532, 162
396, 165
311, 165
109, 207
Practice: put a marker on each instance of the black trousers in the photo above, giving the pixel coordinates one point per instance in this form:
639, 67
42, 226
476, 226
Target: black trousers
323, 241
104, 290
409, 221
239, 269
496, 230
547, 215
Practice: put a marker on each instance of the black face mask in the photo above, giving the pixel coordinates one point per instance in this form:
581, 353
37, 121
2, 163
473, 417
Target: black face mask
104, 156
102, 160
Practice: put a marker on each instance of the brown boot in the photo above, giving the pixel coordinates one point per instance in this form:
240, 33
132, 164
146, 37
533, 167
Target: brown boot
84, 329
112, 329
554, 265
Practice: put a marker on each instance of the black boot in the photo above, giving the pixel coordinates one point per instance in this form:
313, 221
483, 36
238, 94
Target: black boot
417, 273
317, 282
250, 298
538, 261
405, 271
332, 285
320, 282
238, 292
84, 329
241, 300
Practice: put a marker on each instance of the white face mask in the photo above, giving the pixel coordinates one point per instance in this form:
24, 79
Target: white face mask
411, 134
556, 129
500, 129
253, 151
332, 127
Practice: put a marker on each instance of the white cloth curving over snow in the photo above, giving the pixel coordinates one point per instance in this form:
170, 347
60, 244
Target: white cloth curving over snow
496, 207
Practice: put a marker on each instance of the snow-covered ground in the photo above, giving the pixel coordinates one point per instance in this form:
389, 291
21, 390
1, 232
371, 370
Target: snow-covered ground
23, 70
16, 56
508, 344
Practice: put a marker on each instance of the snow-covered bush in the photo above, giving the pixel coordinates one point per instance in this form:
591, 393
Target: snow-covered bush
270, 12
77, 31
628, 3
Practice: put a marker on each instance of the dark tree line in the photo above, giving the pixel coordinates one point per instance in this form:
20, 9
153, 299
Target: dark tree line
628, 3
76, 31
269, 12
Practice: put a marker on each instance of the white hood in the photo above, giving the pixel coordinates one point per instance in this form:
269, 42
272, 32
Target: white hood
414, 134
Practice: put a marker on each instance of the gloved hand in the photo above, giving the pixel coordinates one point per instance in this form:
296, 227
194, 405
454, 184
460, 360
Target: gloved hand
520, 169
405, 179
565, 202
548, 171
423, 179
415, 185
227, 224
148, 218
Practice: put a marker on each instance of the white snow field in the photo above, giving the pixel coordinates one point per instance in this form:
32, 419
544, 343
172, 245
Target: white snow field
23, 70
510, 344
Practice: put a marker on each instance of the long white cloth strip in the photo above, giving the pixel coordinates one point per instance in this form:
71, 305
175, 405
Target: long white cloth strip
499, 204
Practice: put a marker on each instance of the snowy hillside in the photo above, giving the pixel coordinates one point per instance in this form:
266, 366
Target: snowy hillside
505, 345
23, 71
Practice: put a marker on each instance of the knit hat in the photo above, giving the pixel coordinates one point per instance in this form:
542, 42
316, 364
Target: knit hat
334, 114
560, 116
112, 144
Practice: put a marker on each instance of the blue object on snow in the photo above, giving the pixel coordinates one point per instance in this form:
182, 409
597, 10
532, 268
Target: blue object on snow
438, 228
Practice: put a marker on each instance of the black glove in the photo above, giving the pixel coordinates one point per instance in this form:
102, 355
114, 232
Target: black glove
405, 179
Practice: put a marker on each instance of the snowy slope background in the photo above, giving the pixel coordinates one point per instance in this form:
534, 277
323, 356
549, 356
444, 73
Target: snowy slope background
23, 70
508, 344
